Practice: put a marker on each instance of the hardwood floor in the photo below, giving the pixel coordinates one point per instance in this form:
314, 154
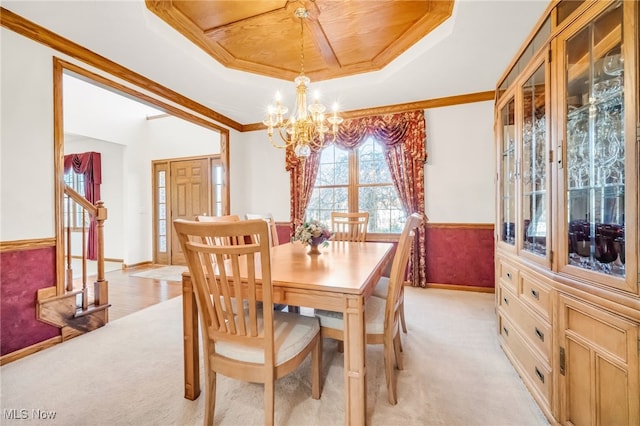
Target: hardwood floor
129, 294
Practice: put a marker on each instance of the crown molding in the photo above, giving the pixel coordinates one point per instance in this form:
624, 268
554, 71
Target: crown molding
410, 106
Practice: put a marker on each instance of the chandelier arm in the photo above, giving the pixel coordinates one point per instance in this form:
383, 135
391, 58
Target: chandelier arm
275, 145
320, 141
283, 136
287, 143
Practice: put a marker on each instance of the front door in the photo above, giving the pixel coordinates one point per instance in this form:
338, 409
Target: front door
189, 189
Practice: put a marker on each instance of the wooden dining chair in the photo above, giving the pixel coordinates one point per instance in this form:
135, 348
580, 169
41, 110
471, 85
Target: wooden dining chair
272, 225
222, 218
349, 226
239, 339
382, 289
382, 316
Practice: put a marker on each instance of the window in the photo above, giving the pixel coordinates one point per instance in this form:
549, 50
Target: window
73, 211
161, 185
358, 180
217, 181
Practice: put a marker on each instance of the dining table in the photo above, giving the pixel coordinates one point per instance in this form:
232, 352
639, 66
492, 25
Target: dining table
339, 279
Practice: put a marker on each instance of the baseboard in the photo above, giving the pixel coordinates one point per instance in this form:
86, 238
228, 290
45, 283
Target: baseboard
462, 287
106, 259
21, 353
135, 265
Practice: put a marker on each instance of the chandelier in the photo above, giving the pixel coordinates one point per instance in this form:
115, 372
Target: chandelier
307, 126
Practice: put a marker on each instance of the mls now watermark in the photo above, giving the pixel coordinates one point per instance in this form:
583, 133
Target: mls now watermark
25, 414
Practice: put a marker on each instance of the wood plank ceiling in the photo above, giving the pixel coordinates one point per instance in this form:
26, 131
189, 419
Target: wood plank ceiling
341, 38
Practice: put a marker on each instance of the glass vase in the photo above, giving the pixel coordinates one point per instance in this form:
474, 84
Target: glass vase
313, 250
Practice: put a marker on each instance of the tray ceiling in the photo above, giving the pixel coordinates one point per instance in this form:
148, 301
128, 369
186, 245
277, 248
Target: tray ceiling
341, 38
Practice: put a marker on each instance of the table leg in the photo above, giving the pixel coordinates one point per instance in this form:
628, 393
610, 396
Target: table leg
354, 362
190, 348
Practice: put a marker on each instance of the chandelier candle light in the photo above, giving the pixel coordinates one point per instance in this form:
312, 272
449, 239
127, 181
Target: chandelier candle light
307, 126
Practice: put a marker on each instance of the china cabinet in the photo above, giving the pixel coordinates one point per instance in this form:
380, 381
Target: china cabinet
567, 154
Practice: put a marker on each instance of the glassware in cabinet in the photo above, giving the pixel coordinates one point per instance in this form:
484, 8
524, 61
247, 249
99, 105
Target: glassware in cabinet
594, 171
507, 177
535, 164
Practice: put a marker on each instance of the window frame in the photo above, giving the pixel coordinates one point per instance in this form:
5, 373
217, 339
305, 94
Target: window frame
353, 185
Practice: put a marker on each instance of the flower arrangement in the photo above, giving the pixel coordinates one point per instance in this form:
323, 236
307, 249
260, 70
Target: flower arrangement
312, 233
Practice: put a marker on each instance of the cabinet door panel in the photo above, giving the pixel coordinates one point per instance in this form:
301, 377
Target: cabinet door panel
578, 411
598, 170
534, 179
598, 332
601, 372
612, 399
507, 175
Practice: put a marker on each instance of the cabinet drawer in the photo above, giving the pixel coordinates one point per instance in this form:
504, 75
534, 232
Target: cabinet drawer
506, 299
508, 275
534, 372
536, 330
535, 294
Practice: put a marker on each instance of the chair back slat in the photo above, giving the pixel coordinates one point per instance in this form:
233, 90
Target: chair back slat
349, 226
273, 229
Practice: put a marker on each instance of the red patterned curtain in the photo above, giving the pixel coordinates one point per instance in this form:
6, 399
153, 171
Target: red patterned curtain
302, 176
88, 164
404, 137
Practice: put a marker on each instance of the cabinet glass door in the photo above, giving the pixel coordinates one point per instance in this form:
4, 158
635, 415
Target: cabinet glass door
508, 174
534, 176
595, 146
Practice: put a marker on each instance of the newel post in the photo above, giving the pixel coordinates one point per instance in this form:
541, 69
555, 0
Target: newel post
101, 287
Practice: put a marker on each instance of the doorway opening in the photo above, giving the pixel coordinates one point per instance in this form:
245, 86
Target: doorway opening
131, 130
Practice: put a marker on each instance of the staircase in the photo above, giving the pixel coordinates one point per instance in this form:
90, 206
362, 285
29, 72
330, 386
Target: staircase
71, 306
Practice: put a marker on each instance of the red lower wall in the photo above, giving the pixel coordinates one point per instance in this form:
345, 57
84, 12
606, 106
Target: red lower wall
457, 254
460, 254
22, 274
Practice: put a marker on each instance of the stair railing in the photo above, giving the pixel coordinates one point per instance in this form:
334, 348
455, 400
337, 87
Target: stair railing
99, 212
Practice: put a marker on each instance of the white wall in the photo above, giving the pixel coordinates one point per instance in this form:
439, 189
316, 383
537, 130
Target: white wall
92, 111
172, 137
259, 181
460, 170
26, 140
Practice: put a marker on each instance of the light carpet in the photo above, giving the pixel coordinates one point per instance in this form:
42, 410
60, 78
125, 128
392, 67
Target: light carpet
166, 273
130, 373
